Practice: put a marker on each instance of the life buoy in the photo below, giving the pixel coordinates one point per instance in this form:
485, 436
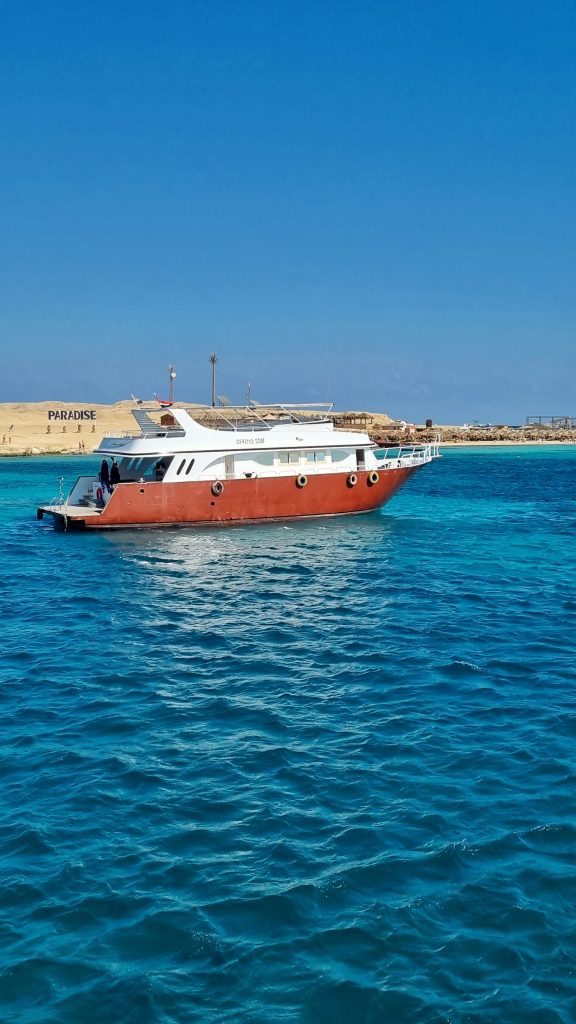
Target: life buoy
217, 488
99, 494
301, 480
373, 477
352, 480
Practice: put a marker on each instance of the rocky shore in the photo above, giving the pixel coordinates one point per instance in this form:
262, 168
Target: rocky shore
453, 435
74, 428
386, 431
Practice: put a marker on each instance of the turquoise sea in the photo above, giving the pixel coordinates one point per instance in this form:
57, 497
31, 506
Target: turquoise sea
320, 772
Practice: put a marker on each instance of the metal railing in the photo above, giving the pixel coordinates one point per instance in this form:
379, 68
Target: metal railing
59, 499
408, 455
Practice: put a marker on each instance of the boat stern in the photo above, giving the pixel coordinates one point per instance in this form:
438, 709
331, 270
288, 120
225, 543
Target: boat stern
85, 501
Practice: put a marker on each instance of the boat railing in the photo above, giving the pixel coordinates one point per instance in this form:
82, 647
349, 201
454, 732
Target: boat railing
230, 417
408, 454
59, 499
81, 485
266, 416
149, 434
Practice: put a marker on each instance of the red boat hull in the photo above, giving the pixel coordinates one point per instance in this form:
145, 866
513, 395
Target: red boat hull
248, 500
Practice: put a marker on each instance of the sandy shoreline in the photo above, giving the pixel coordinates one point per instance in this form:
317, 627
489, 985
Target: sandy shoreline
40, 428
76, 428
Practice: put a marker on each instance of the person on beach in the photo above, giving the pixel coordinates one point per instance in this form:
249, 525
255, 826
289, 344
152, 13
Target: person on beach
114, 474
105, 475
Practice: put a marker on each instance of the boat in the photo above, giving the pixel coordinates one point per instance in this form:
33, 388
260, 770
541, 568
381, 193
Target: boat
241, 465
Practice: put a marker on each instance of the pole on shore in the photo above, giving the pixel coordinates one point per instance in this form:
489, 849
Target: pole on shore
213, 360
172, 376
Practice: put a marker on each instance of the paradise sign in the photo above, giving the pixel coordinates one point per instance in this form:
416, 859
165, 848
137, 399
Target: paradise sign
71, 414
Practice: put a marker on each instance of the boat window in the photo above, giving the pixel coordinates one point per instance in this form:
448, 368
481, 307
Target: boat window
189, 466
162, 467
339, 455
315, 457
264, 458
180, 467
139, 468
127, 467
289, 458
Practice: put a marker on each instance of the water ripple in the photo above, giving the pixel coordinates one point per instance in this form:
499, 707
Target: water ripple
315, 773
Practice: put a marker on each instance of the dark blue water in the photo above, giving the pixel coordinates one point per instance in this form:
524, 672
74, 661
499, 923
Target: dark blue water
320, 772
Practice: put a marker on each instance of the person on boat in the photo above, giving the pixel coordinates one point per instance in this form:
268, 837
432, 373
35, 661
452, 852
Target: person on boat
114, 474
105, 475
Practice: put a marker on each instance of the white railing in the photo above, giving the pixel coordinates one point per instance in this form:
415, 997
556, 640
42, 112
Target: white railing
407, 455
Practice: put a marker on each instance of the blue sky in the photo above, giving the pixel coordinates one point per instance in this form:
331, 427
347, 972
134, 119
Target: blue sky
367, 202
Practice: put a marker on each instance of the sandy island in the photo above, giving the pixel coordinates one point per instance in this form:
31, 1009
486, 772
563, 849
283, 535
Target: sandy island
72, 428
